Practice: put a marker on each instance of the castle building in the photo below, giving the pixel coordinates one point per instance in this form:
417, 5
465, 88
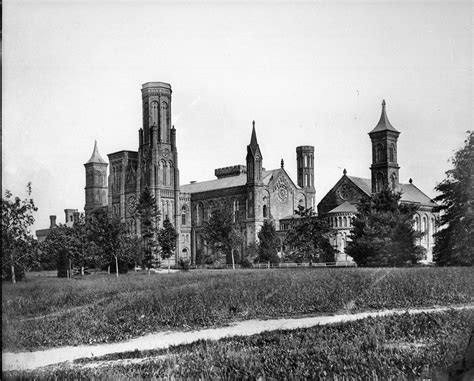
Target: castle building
251, 192
339, 205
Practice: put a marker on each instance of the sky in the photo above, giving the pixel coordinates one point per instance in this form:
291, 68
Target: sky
308, 73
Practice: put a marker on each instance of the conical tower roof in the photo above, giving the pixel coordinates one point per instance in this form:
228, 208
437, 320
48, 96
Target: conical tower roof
253, 146
96, 158
384, 124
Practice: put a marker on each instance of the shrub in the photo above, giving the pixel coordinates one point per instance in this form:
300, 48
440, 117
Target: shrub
184, 264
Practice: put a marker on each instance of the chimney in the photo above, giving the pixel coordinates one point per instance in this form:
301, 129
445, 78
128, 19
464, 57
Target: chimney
52, 222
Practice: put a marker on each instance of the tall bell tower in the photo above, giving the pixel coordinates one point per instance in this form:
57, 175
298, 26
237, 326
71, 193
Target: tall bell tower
96, 189
384, 168
305, 172
158, 154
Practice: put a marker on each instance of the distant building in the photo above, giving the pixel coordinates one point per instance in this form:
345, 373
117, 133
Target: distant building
339, 205
251, 192
70, 215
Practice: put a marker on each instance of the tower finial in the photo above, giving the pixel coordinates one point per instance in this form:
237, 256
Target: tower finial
282, 163
253, 138
383, 103
410, 181
344, 172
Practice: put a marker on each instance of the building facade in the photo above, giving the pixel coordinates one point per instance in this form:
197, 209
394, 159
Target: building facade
339, 205
250, 191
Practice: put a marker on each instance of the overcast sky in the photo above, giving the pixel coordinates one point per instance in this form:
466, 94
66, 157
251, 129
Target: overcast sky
311, 73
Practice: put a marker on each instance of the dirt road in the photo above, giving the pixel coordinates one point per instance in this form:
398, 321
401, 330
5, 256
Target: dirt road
33, 360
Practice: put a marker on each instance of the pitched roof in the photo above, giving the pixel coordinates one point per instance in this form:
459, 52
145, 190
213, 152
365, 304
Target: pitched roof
410, 193
225, 182
346, 207
383, 124
96, 158
364, 185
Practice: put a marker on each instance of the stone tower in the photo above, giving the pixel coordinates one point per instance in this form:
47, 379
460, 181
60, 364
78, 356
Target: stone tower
384, 168
96, 188
254, 187
305, 172
157, 152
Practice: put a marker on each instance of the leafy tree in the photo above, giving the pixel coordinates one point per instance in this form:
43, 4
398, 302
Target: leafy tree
310, 237
167, 239
149, 218
383, 233
57, 246
221, 234
83, 249
268, 243
454, 243
18, 245
109, 234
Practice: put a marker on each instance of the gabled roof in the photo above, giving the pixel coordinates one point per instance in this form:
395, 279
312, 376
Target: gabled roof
365, 185
410, 193
96, 158
225, 182
383, 124
346, 207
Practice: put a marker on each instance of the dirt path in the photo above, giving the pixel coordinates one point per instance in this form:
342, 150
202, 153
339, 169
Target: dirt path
33, 360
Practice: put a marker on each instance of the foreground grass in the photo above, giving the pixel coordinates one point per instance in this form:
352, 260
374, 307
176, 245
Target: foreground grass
396, 347
50, 312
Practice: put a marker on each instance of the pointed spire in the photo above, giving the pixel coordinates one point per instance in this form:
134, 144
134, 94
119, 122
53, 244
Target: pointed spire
384, 124
253, 139
282, 164
96, 158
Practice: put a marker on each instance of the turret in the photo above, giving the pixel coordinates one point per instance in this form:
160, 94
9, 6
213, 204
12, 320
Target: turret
305, 172
384, 168
96, 189
254, 160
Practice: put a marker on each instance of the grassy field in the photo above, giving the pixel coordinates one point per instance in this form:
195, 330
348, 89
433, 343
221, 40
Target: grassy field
395, 347
49, 312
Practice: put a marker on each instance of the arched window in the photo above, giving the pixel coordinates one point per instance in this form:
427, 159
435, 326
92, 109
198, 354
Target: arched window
170, 173
425, 225
306, 180
393, 180
433, 226
417, 223
379, 153
380, 183
265, 211
164, 121
392, 153
345, 222
163, 171
183, 215
154, 113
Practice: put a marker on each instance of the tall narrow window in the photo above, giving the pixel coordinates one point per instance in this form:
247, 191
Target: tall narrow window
164, 121
265, 215
154, 113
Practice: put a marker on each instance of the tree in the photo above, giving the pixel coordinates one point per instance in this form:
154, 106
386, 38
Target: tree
83, 249
221, 234
310, 237
109, 234
18, 245
268, 243
454, 242
167, 240
57, 246
149, 218
383, 233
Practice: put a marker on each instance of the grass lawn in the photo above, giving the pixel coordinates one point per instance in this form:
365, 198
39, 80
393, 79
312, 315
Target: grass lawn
49, 312
396, 347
